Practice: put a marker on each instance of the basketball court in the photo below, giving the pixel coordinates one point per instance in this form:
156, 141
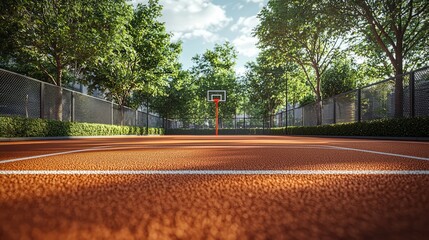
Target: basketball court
227, 187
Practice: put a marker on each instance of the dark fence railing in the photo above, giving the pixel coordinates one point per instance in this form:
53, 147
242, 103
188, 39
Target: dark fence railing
28, 97
375, 101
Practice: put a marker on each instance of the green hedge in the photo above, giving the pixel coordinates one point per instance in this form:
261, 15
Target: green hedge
28, 127
398, 127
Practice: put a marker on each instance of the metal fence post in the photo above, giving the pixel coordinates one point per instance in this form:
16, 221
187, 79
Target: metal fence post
263, 126
244, 121
359, 107
286, 115
42, 100
412, 95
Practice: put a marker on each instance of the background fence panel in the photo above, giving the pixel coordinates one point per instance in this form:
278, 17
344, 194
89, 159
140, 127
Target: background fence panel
155, 121
92, 110
406, 96
346, 107
310, 114
129, 117
421, 92
19, 95
27, 97
298, 116
141, 119
378, 101
328, 111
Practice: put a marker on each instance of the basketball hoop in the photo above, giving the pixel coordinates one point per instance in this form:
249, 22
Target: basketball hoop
216, 96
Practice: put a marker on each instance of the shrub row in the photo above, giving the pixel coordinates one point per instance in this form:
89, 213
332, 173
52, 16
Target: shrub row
28, 127
398, 127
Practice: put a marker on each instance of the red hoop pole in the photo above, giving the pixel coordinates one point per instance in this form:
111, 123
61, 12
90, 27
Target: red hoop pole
216, 100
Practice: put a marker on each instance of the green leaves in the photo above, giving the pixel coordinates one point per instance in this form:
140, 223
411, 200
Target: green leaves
61, 37
304, 33
214, 70
140, 60
340, 77
266, 81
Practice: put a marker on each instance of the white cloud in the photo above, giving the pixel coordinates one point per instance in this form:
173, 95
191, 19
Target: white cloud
207, 36
260, 2
245, 25
194, 18
245, 43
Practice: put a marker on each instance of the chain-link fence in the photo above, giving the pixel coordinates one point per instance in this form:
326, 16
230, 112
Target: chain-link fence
375, 101
28, 97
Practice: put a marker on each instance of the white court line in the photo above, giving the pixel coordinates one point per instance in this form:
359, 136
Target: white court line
383, 141
214, 172
381, 153
153, 147
53, 154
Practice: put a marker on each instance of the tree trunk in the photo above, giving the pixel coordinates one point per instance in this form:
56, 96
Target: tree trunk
399, 87
318, 99
59, 93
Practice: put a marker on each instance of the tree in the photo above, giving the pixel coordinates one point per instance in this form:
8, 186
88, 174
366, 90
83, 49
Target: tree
140, 64
398, 28
267, 83
305, 34
299, 91
176, 101
340, 77
63, 35
214, 70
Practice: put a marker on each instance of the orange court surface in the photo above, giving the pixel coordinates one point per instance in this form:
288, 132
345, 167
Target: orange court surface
208, 187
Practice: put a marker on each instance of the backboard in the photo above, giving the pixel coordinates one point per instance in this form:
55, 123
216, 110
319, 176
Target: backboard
216, 94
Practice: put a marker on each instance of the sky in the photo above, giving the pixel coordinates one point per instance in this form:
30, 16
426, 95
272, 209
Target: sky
200, 24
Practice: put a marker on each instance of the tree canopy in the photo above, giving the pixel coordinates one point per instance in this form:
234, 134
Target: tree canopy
214, 70
304, 33
140, 65
54, 37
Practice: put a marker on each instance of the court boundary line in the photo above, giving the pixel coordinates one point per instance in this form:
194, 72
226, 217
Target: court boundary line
53, 154
214, 172
377, 152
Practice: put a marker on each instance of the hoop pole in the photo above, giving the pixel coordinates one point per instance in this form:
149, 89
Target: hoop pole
217, 115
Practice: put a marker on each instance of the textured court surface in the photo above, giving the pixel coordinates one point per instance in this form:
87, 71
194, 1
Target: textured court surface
206, 187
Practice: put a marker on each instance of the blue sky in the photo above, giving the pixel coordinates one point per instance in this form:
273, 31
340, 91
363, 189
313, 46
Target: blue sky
200, 24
